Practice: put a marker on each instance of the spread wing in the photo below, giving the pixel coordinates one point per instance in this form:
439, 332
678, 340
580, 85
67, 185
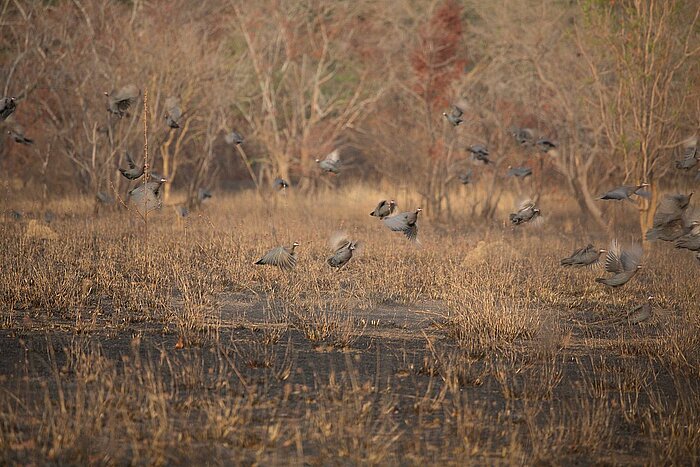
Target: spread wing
128, 93
339, 240
130, 160
333, 156
279, 257
631, 258
145, 199
397, 223
379, 206
525, 204
172, 107
613, 261
667, 211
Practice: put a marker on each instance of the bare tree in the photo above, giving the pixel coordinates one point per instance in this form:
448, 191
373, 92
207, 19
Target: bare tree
643, 80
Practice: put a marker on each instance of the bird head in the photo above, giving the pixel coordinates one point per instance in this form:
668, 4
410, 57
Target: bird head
651, 297
352, 246
317, 161
418, 210
602, 250
639, 266
392, 203
295, 244
106, 93
642, 185
444, 114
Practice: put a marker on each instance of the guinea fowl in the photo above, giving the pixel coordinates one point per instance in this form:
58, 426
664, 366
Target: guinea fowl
545, 145
690, 240
384, 208
280, 184
283, 257
17, 134
173, 112
690, 154
526, 212
669, 222
466, 178
640, 313
343, 250
585, 256
7, 106
522, 136
455, 116
331, 163
134, 171
519, 172
233, 138
624, 192
404, 222
118, 102
480, 153
146, 197
623, 264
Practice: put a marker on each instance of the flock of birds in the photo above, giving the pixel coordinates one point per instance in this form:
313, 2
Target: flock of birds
673, 221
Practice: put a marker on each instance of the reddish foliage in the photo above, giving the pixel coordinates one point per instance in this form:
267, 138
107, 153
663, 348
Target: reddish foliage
437, 59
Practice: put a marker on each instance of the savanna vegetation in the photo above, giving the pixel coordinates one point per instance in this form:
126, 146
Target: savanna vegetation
155, 339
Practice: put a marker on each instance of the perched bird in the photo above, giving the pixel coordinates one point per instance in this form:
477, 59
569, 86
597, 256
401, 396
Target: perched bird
480, 153
404, 222
520, 172
624, 192
343, 249
690, 154
522, 136
384, 208
280, 184
104, 198
668, 223
526, 212
623, 264
7, 106
281, 256
17, 134
466, 178
133, 172
118, 102
233, 138
331, 163
172, 112
455, 116
146, 197
545, 145
585, 256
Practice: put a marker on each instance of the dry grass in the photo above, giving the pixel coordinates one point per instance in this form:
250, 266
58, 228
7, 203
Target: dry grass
473, 344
